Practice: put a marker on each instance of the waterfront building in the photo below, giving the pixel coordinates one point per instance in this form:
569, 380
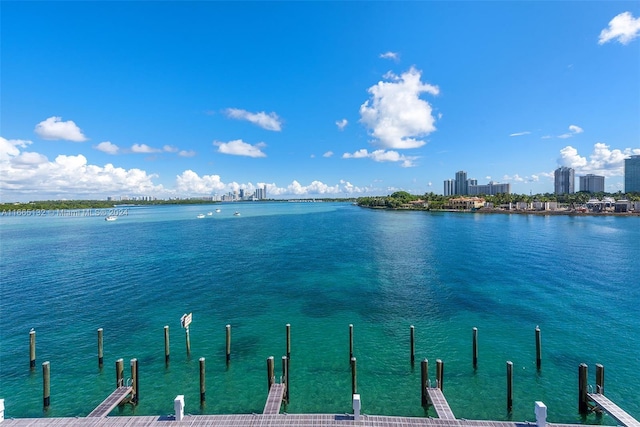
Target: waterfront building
632, 174
490, 189
564, 180
592, 183
461, 183
466, 203
449, 187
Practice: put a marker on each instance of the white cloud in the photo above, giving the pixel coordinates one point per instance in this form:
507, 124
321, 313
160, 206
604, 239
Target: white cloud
623, 27
395, 56
573, 130
169, 149
107, 147
191, 183
144, 148
520, 133
240, 148
395, 114
54, 128
518, 178
342, 124
266, 121
186, 153
602, 161
328, 154
382, 156
24, 173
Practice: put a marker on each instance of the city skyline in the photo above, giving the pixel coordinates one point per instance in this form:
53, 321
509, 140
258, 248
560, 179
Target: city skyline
168, 99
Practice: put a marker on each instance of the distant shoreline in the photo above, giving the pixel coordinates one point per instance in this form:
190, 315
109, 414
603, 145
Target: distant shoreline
514, 212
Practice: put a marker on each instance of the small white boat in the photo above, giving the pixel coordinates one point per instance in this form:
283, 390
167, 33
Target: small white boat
217, 210
200, 216
209, 213
111, 218
236, 213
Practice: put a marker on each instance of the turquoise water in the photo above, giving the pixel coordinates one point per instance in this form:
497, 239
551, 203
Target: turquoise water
320, 267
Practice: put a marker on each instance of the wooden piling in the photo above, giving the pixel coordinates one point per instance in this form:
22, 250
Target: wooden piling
424, 380
599, 378
46, 385
285, 377
288, 383
439, 373
270, 372
538, 349
354, 376
350, 342
100, 349
412, 344
228, 341
475, 348
166, 345
119, 372
203, 386
288, 331
135, 381
583, 406
509, 386
32, 349
188, 341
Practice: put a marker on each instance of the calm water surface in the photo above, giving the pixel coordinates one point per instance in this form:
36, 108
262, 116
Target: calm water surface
320, 267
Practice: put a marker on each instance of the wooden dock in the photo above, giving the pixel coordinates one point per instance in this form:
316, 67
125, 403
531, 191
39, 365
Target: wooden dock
113, 400
617, 413
274, 400
439, 403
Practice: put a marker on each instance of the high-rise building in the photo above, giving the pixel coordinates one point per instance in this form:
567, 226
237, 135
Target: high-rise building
490, 189
632, 174
592, 183
564, 180
461, 183
449, 187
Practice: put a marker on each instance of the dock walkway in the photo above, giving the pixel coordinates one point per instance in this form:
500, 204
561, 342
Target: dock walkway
613, 410
274, 400
440, 404
113, 400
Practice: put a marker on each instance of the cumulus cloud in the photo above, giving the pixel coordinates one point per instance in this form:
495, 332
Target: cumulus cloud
518, 178
266, 121
186, 153
144, 148
240, 148
395, 114
66, 176
382, 156
189, 182
107, 147
342, 124
328, 154
395, 56
602, 161
54, 128
169, 149
623, 28
573, 130
520, 133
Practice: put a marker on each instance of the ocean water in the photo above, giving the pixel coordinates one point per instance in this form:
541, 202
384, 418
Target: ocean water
320, 267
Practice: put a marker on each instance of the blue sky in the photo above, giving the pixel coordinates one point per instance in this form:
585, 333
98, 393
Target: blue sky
312, 99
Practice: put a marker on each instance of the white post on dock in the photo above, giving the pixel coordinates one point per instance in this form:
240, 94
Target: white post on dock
1, 410
178, 405
356, 407
541, 414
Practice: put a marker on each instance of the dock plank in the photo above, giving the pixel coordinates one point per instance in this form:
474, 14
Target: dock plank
274, 400
613, 410
113, 400
440, 404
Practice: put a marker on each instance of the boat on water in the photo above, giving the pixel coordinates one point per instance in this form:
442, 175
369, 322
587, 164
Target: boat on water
236, 213
200, 216
217, 210
110, 218
209, 213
